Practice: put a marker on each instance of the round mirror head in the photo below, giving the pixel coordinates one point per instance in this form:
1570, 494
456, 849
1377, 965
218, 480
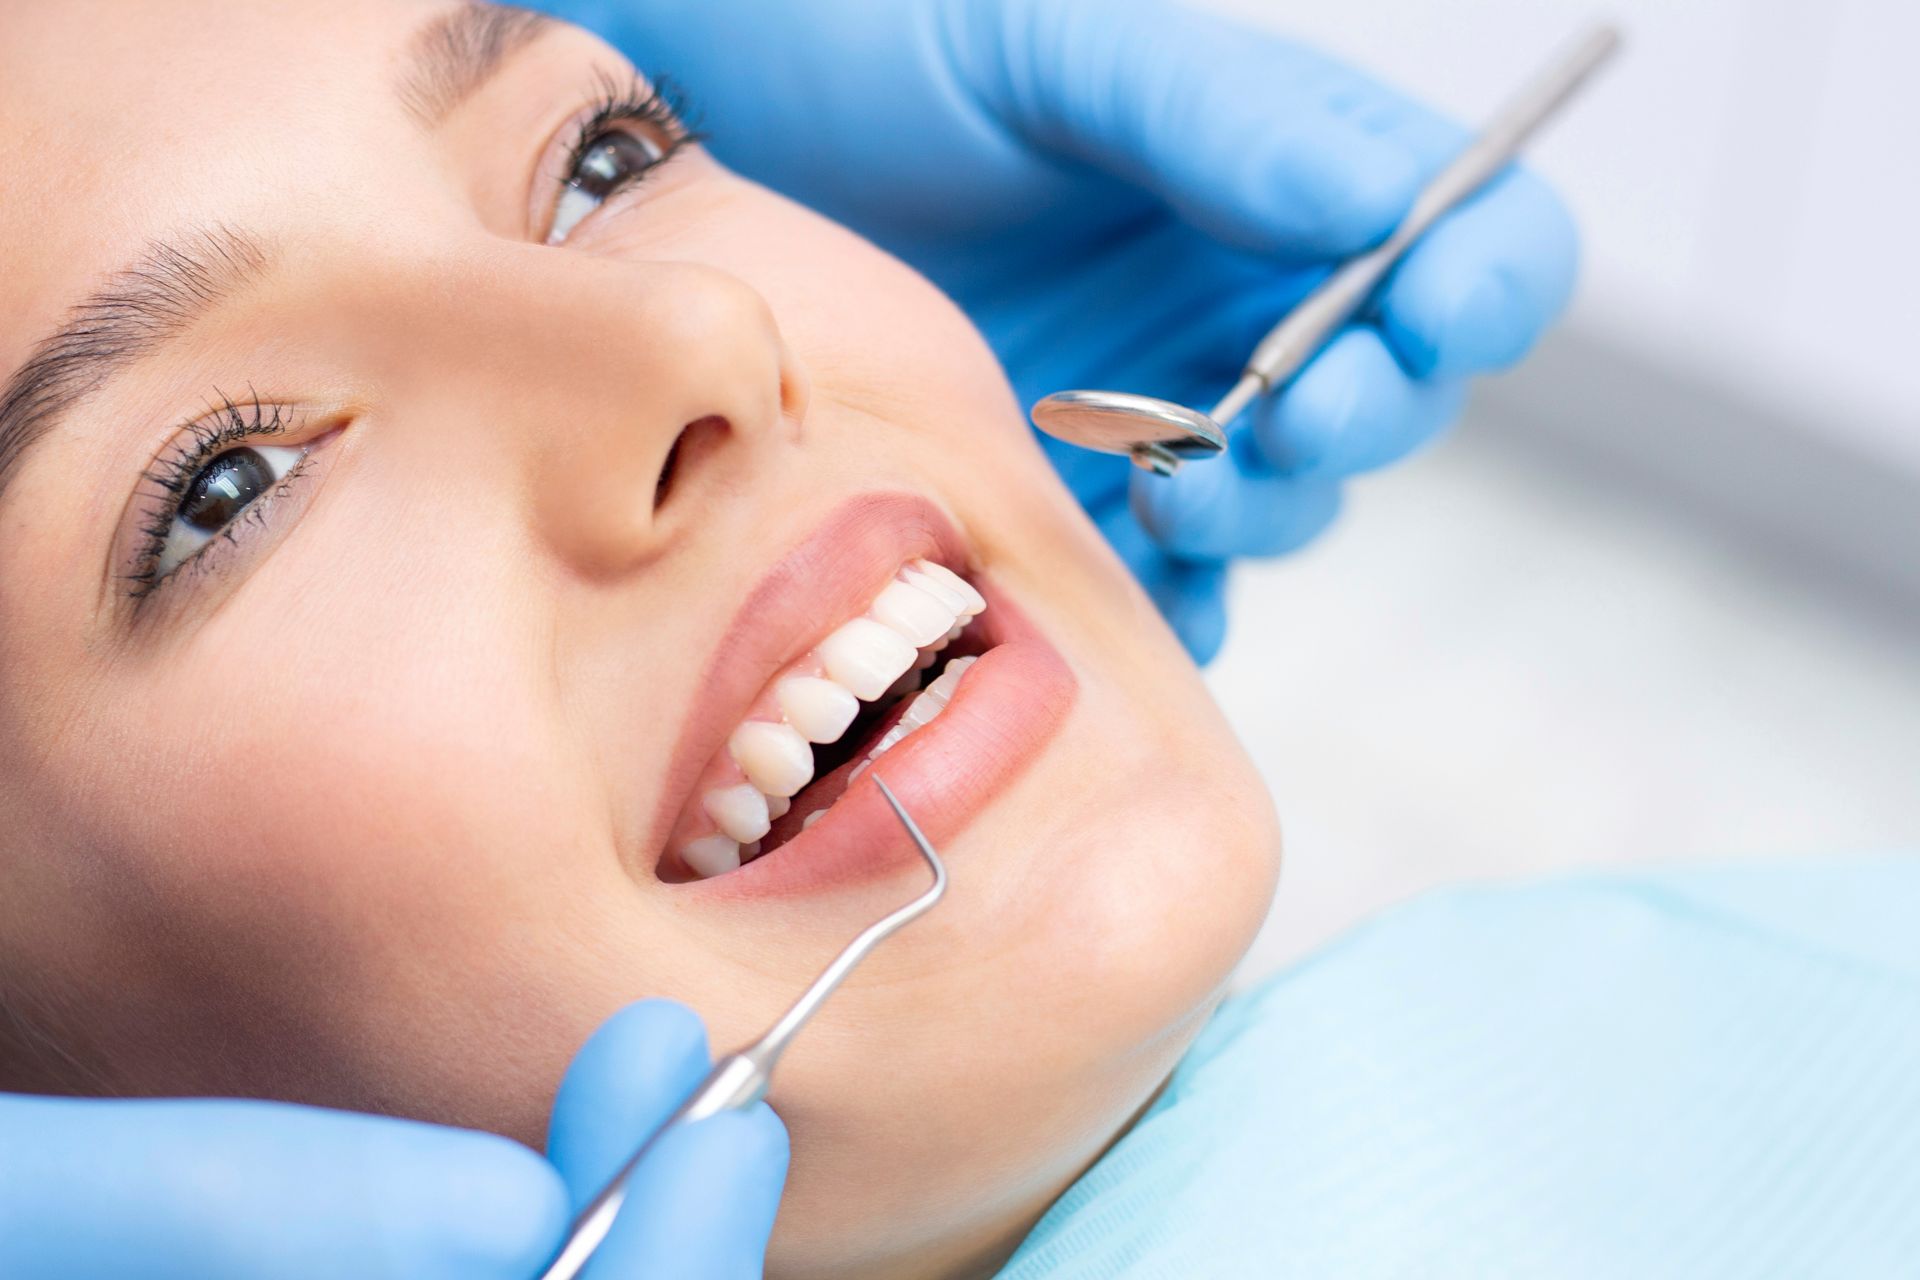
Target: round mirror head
1156, 434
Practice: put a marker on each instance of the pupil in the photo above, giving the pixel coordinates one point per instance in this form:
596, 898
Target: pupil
612, 160
223, 489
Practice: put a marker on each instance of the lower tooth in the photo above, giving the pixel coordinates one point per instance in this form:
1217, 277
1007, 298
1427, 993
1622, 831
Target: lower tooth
812, 818
921, 711
949, 678
711, 856
888, 740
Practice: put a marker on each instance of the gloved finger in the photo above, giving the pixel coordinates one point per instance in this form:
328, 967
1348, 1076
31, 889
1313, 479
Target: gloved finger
1234, 506
1352, 409
1192, 597
625, 1081
242, 1190
1250, 137
1189, 594
703, 1202
701, 1207
1481, 287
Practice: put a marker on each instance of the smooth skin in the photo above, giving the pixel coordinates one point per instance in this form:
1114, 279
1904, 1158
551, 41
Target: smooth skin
1126, 195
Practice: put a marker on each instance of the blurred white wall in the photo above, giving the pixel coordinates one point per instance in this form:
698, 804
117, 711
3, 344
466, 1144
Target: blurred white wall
1499, 665
1745, 177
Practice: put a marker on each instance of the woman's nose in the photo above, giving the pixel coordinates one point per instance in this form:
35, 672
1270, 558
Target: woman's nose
594, 369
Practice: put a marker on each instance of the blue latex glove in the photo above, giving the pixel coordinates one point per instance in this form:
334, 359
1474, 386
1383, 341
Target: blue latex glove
702, 1205
1127, 194
259, 1191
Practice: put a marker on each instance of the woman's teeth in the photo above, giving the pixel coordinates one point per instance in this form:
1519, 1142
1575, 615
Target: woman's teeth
913, 613
866, 657
741, 811
775, 758
820, 709
711, 856
931, 701
768, 757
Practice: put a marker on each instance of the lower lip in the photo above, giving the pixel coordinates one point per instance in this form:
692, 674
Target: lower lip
1009, 706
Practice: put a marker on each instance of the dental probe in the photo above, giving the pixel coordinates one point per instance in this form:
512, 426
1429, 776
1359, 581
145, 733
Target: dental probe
1160, 435
741, 1078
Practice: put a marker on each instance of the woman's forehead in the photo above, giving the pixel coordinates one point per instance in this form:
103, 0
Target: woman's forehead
130, 121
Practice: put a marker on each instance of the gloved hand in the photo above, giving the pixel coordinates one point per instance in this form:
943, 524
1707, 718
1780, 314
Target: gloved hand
259, 1191
702, 1204
1126, 194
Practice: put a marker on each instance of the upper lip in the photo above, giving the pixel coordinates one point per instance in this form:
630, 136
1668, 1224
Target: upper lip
829, 576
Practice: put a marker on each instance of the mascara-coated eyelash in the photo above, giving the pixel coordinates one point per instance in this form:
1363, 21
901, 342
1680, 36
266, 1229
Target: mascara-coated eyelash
170, 484
599, 164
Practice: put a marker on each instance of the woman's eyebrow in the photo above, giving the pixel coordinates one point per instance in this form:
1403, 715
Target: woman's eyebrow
453, 55
139, 309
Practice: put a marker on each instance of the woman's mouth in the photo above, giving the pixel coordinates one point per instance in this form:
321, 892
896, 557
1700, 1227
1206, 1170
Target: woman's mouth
820, 723
903, 657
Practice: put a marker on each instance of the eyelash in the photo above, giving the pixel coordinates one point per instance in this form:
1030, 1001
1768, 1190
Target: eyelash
659, 103
227, 426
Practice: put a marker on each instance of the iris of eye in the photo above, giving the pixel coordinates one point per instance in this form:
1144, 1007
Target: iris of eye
612, 159
223, 489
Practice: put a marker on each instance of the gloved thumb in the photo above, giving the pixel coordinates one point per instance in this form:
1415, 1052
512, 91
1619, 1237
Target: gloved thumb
702, 1204
1250, 137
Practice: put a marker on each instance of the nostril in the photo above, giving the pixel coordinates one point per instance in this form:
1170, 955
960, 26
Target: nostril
664, 484
695, 440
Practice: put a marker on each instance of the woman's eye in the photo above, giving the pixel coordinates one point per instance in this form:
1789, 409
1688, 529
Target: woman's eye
605, 166
218, 494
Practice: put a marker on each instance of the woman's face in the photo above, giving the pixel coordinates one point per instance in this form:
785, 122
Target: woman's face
392, 547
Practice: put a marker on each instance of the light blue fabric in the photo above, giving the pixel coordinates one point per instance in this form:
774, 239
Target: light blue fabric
1696, 1073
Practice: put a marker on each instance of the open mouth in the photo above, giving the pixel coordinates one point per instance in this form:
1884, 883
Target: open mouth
822, 720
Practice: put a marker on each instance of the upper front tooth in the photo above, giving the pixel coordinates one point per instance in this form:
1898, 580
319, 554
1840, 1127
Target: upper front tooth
820, 709
971, 601
912, 612
953, 601
866, 657
775, 758
740, 811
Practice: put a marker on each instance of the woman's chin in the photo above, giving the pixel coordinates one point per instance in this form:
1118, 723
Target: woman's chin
1097, 909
